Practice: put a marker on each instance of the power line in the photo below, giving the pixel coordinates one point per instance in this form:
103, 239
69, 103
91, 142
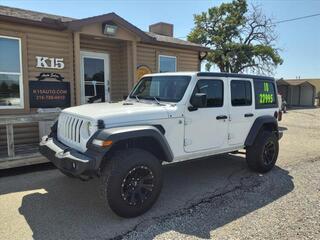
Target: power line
287, 20
298, 18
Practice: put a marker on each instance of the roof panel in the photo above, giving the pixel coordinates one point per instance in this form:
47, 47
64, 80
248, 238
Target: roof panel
43, 19
163, 38
238, 75
30, 15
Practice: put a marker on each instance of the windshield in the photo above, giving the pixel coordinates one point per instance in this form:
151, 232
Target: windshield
161, 88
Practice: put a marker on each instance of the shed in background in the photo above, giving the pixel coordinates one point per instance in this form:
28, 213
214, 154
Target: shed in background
298, 92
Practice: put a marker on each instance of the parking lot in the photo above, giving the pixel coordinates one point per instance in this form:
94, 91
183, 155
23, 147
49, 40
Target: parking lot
216, 197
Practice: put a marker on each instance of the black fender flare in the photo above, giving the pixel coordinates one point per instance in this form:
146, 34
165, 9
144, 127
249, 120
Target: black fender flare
118, 134
257, 125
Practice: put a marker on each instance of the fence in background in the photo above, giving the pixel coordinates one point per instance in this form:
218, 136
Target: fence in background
20, 136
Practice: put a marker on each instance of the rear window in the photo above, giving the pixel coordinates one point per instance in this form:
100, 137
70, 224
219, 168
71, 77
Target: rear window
265, 94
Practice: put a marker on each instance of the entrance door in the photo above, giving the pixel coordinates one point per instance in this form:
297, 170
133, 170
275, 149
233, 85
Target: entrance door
207, 128
95, 80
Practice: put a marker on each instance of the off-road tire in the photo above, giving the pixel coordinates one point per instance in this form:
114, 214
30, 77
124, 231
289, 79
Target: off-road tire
255, 153
116, 173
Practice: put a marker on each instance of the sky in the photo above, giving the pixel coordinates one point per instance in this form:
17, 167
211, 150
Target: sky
299, 40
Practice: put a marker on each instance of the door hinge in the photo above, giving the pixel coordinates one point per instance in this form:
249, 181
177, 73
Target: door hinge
187, 142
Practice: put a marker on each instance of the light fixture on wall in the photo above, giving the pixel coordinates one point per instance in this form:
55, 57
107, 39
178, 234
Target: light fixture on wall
109, 29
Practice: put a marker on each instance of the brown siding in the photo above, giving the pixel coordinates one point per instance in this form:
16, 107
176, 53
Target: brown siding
187, 60
147, 55
36, 42
118, 62
41, 42
123, 74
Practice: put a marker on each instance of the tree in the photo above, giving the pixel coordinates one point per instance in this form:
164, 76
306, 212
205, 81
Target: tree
241, 39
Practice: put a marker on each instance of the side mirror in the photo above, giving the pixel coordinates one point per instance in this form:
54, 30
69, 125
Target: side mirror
198, 100
124, 97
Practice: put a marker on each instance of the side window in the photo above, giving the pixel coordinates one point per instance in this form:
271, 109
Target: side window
241, 93
213, 89
265, 94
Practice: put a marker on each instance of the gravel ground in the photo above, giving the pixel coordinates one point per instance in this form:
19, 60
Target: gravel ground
213, 198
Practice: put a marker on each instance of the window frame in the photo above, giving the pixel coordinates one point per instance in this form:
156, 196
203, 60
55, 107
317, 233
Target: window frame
211, 79
167, 56
265, 106
251, 91
21, 87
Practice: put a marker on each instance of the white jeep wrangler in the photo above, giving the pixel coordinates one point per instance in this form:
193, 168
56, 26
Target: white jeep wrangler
166, 118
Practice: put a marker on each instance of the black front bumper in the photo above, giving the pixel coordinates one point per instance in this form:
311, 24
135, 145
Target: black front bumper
67, 159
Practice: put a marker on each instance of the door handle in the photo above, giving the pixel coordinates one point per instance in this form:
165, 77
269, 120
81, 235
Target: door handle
248, 115
220, 117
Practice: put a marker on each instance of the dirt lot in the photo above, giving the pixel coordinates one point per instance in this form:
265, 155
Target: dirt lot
214, 198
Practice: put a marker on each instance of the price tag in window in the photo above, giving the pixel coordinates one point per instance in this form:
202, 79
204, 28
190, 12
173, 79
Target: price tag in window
267, 95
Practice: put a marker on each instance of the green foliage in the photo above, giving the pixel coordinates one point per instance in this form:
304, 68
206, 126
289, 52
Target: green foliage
240, 39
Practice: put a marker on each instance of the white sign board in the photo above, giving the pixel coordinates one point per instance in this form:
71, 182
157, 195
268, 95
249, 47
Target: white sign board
46, 62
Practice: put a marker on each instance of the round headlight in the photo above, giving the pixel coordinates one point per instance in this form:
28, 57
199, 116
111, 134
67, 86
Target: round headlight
90, 128
87, 129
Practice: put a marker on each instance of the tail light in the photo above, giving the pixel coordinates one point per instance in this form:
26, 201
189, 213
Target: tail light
280, 116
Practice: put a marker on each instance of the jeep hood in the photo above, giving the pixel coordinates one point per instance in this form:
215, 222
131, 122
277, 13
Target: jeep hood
115, 113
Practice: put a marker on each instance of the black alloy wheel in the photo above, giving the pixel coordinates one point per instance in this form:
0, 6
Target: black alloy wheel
262, 155
137, 186
269, 153
131, 182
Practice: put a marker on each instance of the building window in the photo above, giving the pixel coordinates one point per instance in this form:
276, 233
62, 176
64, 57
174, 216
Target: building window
11, 88
213, 89
241, 93
167, 63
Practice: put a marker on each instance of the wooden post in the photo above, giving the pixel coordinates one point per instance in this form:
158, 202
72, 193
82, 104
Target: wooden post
77, 77
134, 61
130, 71
10, 140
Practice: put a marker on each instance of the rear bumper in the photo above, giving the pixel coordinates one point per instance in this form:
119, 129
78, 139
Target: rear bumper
65, 158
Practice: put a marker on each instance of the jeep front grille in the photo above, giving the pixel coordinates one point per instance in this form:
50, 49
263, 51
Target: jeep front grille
69, 128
